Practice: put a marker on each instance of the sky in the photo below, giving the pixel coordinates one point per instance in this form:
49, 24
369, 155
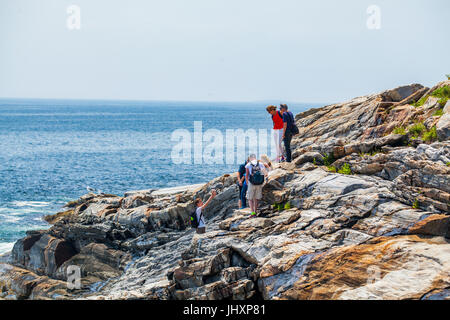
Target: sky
220, 50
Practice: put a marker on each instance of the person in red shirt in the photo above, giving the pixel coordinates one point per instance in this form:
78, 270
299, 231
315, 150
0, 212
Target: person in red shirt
277, 118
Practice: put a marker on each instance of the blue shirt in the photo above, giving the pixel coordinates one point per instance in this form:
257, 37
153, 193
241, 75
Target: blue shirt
288, 118
242, 170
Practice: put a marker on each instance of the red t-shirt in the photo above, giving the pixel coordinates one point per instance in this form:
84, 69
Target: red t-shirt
277, 121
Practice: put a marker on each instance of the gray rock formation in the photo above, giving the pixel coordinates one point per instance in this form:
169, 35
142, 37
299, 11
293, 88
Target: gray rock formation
361, 213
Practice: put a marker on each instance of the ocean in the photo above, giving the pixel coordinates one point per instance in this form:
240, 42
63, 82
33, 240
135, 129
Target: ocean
51, 151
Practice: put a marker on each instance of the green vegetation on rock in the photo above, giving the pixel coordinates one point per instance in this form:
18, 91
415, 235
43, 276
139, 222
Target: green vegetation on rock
328, 159
443, 94
430, 135
399, 130
417, 129
421, 101
345, 169
438, 113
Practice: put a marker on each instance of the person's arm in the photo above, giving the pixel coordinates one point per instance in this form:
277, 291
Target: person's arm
264, 170
246, 175
239, 178
213, 194
284, 124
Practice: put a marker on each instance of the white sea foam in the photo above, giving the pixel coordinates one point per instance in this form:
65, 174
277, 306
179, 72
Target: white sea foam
6, 247
10, 218
30, 203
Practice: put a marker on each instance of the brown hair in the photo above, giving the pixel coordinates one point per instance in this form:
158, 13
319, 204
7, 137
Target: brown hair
271, 108
196, 201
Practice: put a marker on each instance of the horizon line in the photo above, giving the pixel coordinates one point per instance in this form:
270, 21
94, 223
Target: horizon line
169, 100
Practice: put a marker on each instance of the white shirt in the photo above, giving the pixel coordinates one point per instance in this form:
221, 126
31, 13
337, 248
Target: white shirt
249, 167
201, 221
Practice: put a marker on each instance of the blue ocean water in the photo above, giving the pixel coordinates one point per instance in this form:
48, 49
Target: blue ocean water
52, 150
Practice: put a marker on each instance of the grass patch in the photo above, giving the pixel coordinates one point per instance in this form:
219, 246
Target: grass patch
370, 154
332, 169
421, 101
448, 164
287, 206
417, 129
328, 159
430, 135
399, 130
443, 101
443, 94
280, 207
438, 113
345, 169
415, 204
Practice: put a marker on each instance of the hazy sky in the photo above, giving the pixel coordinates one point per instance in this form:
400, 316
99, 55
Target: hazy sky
238, 50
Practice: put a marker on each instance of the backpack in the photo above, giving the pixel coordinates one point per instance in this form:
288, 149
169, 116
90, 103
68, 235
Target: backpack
294, 128
193, 218
256, 178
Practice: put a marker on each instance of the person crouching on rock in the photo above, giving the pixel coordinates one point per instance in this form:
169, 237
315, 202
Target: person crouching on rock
255, 173
277, 118
201, 228
267, 163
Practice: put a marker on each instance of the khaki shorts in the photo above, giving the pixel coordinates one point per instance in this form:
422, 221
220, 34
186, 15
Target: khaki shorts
254, 192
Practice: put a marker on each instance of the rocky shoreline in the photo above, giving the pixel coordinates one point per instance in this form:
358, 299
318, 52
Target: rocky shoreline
363, 212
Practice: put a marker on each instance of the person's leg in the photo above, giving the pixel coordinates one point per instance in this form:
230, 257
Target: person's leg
250, 196
250, 201
240, 197
243, 195
287, 145
280, 143
277, 135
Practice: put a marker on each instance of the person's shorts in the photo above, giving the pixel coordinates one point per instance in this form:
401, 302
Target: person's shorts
254, 192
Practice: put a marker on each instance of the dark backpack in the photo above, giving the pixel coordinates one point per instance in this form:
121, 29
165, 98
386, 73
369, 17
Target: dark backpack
193, 218
293, 127
256, 178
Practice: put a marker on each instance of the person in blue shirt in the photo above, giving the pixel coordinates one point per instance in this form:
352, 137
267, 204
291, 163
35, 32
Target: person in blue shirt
242, 186
288, 120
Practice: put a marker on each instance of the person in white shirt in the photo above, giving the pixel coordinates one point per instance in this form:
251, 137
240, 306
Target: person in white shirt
200, 206
254, 192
